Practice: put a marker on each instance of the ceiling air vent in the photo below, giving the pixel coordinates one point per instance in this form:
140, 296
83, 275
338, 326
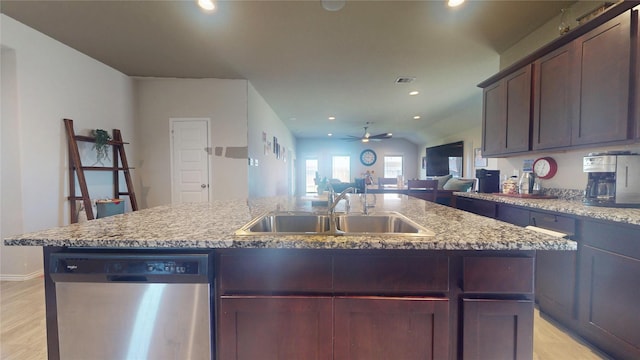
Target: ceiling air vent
405, 79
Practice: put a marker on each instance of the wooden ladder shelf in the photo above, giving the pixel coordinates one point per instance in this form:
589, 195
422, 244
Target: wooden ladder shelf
76, 168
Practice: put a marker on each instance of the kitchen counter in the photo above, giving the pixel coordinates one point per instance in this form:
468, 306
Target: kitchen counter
212, 225
570, 207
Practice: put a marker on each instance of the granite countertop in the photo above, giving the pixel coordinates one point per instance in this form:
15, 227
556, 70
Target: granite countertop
570, 207
212, 225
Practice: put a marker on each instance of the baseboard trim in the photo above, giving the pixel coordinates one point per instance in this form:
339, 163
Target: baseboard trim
33, 275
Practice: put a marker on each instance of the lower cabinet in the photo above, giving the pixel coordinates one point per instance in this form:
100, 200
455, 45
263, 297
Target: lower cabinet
556, 274
407, 328
609, 291
497, 329
274, 328
373, 305
480, 207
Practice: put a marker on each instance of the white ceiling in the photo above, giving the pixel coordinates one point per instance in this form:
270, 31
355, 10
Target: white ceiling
308, 63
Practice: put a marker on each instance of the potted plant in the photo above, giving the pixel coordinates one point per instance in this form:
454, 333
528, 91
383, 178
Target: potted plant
101, 146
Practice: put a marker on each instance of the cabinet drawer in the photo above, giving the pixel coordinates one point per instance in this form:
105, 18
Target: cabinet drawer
497, 275
622, 239
553, 222
391, 274
275, 272
513, 215
480, 207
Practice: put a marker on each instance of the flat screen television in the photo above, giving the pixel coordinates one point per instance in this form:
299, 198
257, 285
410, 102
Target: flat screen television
438, 158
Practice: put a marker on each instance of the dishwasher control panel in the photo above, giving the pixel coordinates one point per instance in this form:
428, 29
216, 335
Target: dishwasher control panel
126, 266
151, 267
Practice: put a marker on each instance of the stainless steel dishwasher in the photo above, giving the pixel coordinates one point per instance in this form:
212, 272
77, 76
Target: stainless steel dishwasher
133, 306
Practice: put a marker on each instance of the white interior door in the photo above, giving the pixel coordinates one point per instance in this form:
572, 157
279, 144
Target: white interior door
190, 151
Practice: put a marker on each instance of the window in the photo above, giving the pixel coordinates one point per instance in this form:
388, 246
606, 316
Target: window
311, 168
341, 168
392, 166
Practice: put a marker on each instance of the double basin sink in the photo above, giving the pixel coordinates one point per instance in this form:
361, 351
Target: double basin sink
310, 223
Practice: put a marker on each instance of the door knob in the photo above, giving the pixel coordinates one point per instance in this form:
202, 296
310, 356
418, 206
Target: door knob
203, 186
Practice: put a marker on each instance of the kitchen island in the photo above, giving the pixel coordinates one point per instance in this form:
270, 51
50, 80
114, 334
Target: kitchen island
466, 292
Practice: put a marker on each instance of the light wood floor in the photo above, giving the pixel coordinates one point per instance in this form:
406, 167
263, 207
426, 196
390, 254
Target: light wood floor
22, 328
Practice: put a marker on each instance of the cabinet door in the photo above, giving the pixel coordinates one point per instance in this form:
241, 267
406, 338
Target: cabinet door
609, 306
274, 328
518, 125
605, 70
370, 328
497, 329
556, 284
555, 99
507, 114
494, 119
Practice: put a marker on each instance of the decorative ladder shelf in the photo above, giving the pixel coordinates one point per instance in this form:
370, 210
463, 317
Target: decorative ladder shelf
76, 168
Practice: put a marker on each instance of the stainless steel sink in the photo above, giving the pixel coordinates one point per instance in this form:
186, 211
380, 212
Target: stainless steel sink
287, 223
391, 223
308, 223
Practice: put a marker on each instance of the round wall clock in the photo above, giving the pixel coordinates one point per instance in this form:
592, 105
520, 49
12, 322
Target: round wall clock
545, 167
368, 157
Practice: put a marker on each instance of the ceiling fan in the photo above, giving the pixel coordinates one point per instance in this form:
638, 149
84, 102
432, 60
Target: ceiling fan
366, 136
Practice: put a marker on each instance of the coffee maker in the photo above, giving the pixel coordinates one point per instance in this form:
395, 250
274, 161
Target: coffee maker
613, 179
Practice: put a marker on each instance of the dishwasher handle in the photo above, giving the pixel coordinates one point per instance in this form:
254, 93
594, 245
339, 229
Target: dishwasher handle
127, 278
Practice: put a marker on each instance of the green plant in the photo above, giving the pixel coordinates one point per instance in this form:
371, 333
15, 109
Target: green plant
102, 139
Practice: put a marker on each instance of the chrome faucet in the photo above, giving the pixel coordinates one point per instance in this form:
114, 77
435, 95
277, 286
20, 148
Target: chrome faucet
365, 206
334, 200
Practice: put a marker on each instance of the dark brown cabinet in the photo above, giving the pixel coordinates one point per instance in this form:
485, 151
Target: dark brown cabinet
367, 304
585, 92
610, 288
554, 99
274, 328
582, 89
383, 328
479, 207
605, 78
497, 329
507, 114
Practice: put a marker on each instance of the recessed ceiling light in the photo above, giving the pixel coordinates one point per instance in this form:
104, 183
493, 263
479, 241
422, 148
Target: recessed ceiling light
415, 92
207, 5
416, 117
454, 3
329, 134
333, 5
332, 117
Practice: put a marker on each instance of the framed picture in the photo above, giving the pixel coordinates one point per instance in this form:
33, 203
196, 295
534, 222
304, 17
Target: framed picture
479, 161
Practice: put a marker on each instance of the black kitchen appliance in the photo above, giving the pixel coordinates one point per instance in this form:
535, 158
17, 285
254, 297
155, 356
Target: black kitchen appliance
488, 180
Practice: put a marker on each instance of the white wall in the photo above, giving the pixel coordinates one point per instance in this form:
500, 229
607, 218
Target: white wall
271, 176
45, 82
323, 150
158, 100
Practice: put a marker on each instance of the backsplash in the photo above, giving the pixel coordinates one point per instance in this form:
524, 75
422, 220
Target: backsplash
565, 194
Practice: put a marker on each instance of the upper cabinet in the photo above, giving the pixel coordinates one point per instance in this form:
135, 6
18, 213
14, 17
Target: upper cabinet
604, 81
553, 99
507, 114
582, 90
